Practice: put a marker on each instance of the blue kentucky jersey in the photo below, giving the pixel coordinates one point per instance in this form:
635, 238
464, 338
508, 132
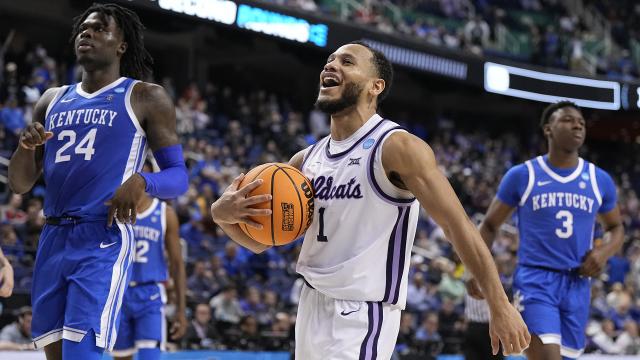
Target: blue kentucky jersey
556, 210
97, 144
150, 228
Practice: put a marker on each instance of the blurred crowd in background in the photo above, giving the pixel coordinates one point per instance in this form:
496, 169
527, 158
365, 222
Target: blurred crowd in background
589, 37
240, 300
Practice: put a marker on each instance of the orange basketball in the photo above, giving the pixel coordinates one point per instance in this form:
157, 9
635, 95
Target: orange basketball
291, 203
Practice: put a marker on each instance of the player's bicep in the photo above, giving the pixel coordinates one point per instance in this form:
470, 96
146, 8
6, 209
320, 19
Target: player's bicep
415, 164
297, 159
497, 213
159, 115
610, 219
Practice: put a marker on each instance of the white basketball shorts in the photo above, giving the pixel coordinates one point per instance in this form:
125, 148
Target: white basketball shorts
331, 329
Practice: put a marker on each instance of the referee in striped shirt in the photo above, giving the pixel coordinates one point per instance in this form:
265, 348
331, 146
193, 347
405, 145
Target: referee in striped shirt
477, 343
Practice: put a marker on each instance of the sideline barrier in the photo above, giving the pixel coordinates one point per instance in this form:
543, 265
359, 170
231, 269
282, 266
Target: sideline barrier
180, 355
238, 355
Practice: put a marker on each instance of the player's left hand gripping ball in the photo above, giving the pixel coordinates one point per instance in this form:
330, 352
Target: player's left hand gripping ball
122, 205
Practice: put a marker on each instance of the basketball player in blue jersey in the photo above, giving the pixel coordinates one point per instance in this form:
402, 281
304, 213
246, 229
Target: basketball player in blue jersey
143, 327
89, 140
355, 257
557, 198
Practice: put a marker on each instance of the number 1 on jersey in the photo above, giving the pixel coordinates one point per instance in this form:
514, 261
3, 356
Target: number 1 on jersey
321, 237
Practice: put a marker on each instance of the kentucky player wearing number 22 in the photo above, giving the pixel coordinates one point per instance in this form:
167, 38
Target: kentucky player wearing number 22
90, 141
368, 176
557, 198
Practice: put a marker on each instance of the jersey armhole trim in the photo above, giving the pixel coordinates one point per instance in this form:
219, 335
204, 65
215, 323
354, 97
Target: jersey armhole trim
372, 177
312, 150
127, 104
163, 221
532, 179
61, 91
594, 183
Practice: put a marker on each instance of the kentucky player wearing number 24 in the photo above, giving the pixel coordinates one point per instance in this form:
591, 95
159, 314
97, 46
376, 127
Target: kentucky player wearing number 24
90, 140
370, 177
557, 198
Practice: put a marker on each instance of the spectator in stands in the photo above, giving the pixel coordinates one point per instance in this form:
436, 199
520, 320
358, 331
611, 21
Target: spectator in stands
618, 268
405, 342
609, 341
200, 285
226, 306
12, 211
17, 335
245, 336
201, 333
280, 336
12, 118
476, 34
427, 338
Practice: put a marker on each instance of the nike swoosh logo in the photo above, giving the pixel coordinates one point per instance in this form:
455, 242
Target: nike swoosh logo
153, 297
343, 313
104, 246
67, 100
543, 183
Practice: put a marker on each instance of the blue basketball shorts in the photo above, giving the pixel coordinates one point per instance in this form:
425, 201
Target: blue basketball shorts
555, 307
81, 273
143, 322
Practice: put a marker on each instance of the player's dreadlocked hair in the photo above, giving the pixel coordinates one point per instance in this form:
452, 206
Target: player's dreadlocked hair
136, 61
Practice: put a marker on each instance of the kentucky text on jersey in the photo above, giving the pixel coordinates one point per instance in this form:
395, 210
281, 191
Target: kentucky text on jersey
147, 233
563, 200
82, 116
325, 189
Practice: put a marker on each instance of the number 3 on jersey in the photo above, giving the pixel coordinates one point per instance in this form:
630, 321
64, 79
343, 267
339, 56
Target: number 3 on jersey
567, 224
84, 147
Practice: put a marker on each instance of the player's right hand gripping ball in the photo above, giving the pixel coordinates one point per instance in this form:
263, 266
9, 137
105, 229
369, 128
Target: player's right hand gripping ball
291, 203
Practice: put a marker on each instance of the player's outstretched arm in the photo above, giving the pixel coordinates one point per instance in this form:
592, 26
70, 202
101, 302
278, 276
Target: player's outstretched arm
496, 216
410, 163
234, 207
6, 276
26, 162
177, 271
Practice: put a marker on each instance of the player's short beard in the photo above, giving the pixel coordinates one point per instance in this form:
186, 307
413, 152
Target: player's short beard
349, 98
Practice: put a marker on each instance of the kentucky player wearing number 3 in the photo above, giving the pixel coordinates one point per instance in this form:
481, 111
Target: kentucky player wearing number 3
355, 257
90, 140
557, 198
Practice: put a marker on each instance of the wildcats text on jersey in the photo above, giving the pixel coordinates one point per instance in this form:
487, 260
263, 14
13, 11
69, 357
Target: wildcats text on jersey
82, 116
564, 200
326, 190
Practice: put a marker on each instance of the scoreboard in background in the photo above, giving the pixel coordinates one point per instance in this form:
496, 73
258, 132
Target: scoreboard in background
247, 16
549, 87
327, 34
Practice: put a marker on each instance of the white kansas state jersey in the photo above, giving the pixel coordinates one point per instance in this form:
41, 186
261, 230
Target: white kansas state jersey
359, 243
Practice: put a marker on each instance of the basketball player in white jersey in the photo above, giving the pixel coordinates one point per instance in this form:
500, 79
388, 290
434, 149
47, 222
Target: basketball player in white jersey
367, 175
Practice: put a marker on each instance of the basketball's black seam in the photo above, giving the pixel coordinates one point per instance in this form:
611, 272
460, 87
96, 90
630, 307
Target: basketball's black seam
258, 174
273, 176
261, 171
299, 200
